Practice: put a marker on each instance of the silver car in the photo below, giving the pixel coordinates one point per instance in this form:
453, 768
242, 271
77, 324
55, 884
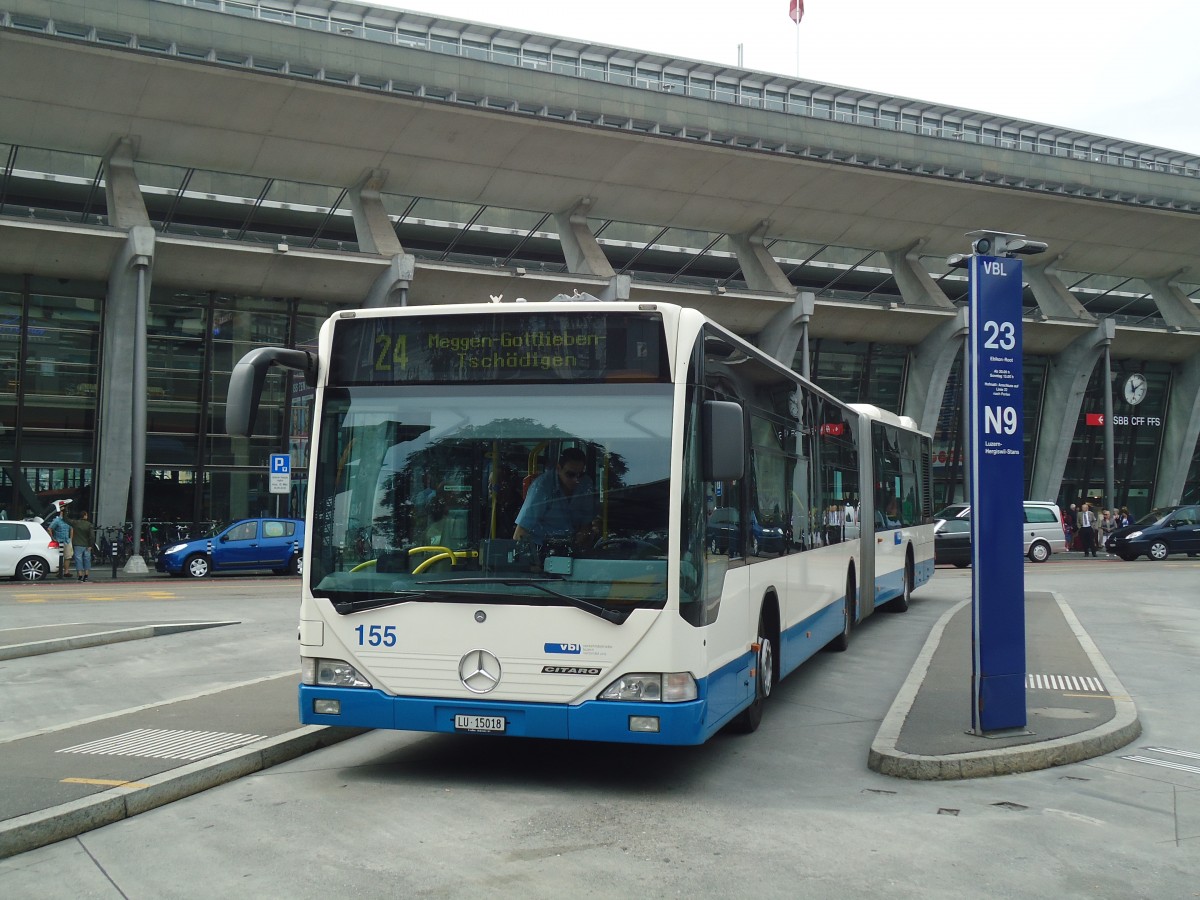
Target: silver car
1043, 530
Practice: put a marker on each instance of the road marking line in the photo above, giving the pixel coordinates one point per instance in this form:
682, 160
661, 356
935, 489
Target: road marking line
1187, 753
104, 782
1163, 763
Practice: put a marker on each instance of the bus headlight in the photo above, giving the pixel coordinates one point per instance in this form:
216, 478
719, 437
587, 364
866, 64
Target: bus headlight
330, 673
652, 687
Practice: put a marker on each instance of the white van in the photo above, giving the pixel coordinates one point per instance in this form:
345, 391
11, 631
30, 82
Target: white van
1043, 532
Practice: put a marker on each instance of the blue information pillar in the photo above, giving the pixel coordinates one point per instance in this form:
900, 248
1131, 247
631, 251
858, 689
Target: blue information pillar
997, 491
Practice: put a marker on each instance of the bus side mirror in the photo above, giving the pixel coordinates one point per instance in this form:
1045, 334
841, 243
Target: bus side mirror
246, 383
724, 441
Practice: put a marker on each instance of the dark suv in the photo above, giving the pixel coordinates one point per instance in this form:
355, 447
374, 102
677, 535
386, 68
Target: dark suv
1163, 531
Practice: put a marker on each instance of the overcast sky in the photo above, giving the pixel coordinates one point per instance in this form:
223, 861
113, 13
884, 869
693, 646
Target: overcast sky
1121, 69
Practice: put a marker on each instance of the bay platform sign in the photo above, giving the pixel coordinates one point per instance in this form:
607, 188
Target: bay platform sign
280, 473
997, 491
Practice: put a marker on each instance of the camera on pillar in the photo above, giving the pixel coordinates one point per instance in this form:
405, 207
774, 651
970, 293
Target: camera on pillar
1003, 243
996, 243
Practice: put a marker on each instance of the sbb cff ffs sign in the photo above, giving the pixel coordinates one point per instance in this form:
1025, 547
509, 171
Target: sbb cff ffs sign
997, 491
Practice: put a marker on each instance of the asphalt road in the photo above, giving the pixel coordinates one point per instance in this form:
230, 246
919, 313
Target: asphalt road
791, 811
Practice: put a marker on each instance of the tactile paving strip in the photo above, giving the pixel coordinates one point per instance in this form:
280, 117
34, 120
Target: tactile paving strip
159, 743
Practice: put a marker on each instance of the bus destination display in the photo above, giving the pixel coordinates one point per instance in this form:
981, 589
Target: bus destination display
482, 348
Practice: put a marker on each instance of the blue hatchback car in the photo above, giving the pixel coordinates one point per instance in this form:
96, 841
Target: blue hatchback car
247, 545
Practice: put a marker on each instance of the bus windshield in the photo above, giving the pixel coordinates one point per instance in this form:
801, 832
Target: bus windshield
545, 494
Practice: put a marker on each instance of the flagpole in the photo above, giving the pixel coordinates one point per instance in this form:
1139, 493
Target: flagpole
797, 49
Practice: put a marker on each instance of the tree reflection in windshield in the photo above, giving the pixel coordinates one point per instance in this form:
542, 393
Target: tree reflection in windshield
419, 484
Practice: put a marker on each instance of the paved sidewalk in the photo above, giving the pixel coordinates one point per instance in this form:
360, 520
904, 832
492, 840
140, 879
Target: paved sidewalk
1076, 708
64, 781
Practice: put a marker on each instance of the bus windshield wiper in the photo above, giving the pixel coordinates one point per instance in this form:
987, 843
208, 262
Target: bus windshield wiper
344, 607
609, 615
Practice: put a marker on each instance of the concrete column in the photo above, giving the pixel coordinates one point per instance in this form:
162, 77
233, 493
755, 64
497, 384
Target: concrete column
126, 209
929, 369
1181, 430
916, 285
391, 287
1053, 298
758, 266
617, 288
372, 226
1177, 310
1066, 383
580, 248
122, 332
785, 332
113, 472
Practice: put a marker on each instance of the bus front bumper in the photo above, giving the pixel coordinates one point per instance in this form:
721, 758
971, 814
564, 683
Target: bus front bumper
593, 720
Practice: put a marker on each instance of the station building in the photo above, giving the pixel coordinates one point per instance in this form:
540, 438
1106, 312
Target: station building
184, 180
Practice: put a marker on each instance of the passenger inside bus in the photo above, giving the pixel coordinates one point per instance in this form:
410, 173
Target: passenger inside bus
561, 504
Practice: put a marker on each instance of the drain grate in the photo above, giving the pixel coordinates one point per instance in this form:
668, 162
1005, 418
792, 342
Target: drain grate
1081, 683
159, 743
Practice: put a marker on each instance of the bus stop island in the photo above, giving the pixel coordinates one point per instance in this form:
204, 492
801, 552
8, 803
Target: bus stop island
1076, 707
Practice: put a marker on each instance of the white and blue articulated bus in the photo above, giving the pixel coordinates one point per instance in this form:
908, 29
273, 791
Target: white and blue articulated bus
589, 521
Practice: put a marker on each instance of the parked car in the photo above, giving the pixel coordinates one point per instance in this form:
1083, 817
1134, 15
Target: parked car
952, 542
247, 545
724, 534
953, 511
27, 552
1043, 529
1167, 530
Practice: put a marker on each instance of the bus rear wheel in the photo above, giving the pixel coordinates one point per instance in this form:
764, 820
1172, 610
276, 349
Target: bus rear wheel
764, 681
900, 604
842, 641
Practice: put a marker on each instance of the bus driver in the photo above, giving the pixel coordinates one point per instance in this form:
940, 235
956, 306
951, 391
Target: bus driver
560, 504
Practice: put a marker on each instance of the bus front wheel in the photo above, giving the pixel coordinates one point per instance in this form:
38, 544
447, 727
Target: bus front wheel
764, 680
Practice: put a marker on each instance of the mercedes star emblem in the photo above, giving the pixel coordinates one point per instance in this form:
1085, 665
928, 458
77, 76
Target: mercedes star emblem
479, 671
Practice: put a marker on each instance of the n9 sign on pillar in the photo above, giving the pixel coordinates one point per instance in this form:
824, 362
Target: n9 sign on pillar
997, 491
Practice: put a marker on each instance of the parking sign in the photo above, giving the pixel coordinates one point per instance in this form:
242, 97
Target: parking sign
280, 473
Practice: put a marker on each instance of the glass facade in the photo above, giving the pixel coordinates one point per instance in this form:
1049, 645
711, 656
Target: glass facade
51, 357
50, 385
1137, 440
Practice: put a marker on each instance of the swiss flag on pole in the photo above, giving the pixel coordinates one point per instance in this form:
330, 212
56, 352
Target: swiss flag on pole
1095, 418
796, 11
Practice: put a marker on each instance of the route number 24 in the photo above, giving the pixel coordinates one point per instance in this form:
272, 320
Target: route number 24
1000, 335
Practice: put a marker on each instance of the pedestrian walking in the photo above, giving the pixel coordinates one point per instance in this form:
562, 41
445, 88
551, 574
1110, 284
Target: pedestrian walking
1087, 530
83, 536
1108, 524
